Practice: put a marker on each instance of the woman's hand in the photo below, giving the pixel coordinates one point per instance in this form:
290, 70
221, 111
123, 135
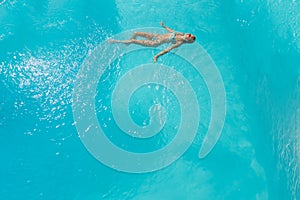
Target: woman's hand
167, 28
155, 58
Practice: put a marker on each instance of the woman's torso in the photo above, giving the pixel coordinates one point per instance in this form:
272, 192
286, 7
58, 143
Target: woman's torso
168, 37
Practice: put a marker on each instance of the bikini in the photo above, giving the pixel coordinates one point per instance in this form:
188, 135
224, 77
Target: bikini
173, 37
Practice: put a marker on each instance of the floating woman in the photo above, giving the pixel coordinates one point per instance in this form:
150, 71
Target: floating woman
154, 40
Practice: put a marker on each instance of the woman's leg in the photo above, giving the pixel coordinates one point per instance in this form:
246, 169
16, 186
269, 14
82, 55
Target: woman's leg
146, 43
149, 36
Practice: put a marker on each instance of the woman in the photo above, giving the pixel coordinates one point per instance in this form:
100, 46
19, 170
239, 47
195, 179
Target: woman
154, 40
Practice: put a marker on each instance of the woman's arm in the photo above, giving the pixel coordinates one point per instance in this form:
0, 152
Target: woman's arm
167, 28
166, 51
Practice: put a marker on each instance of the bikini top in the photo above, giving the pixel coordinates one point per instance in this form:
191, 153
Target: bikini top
173, 36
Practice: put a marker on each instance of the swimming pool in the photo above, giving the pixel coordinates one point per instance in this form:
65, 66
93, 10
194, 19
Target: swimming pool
254, 45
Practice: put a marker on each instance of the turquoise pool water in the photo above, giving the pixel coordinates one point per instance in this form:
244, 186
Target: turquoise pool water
255, 46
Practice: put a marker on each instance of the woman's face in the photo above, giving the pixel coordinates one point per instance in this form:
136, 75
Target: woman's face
190, 37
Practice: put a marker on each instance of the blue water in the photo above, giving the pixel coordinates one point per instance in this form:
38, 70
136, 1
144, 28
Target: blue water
256, 47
